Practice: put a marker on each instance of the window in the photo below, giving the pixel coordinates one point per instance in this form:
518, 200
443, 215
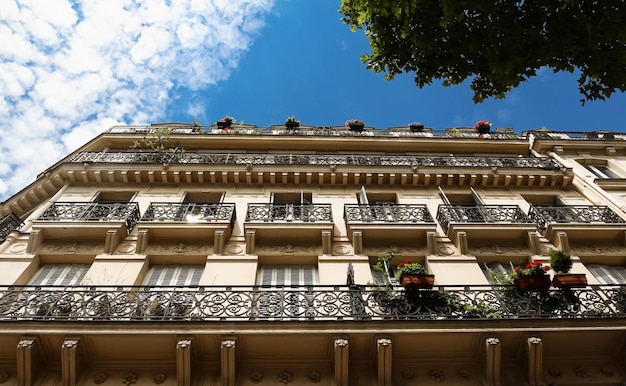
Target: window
377, 206
287, 275
608, 274
204, 197
60, 274
292, 206
177, 275
114, 197
601, 171
297, 303
499, 269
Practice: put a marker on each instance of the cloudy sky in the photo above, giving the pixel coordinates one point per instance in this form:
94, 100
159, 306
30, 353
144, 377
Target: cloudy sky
71, 69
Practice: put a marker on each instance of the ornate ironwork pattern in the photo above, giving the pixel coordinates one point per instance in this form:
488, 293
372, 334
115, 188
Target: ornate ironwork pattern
544, 215
190, 212
319, 159
447, 215
8, 224
306, 303
289, 212
93, 211
397, 213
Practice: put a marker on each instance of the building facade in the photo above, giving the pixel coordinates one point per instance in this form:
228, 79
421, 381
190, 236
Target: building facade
175, 254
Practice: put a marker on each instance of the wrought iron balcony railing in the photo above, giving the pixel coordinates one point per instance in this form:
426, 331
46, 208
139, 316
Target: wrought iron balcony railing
451, 214
128, 212
290, 212
318, 160
190, 212
8, 224
358, 303
388, 213
582, 214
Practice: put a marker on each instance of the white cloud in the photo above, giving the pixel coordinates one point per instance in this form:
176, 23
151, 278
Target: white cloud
73, 69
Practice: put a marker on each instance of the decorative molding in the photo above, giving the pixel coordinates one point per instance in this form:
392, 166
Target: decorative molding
69, 361
581, 372
285, 377
408, 375
233, 249
465, 374
342, 250
183, 362
180, 248
18, 248
315, 376
496, 249
437, 375
129, 378
228, 362
159, 378
341, 362
287, 249
383, 347
100, 378
256, 377
72, 248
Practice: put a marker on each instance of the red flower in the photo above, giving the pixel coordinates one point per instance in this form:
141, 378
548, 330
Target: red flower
528, 266
516, 269
546, 267
408, 261
537, 262
400, 265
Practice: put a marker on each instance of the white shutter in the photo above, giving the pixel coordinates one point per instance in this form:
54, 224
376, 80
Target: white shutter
291, 275
174, 275
607, 274
60, 274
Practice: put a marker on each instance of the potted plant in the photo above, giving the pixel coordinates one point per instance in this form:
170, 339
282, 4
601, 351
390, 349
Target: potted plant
561, 263
355, 125
531, 277
416, 127
414, 276
292, 123
482, 127
225, 122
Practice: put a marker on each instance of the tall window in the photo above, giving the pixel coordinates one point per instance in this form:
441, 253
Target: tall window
608, 274
60, 274
287, 275
173, 275
601, 171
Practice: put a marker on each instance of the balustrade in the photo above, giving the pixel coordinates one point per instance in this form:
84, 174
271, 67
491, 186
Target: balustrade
8, 224
289, 212
128, 212
190, 212
450, 214
306, 303
390, 213
571, 214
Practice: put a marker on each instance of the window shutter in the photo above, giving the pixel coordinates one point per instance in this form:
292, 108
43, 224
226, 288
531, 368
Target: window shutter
176, 275
607, 274
60, 274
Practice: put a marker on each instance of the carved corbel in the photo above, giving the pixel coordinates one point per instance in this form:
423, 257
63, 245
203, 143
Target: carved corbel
228, 362
535, 361
69, 361
218, 242
533, 243
183, 361
111, 241
357, 242
461, 242
326, 242
383, 347
250, 240
26, 361
341, 362
431, 243
493, 357
34, 240
142, 240
562, 241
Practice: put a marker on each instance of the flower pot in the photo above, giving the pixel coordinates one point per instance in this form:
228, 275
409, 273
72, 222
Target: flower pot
483, 129
417, 281
569, 280
292, 124
533, 282
223, 124
416, 128
357, 127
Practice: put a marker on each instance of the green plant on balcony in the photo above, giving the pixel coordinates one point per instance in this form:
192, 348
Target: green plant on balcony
292, 123
561, 263
225, 122
355, 125
156, 141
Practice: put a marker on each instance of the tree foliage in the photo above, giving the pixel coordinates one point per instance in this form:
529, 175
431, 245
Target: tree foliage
496, 43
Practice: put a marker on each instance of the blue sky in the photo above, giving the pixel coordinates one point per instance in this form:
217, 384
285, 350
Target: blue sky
73, 69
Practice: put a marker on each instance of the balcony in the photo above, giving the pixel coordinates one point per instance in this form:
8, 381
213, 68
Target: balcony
187, 222
8, 224
319, 303
395, 223
582, 223
485, 224
289, 222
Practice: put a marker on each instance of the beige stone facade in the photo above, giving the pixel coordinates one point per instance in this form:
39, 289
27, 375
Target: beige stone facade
245, 256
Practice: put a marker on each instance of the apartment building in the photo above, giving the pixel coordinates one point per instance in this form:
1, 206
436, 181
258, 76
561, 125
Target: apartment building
177, 254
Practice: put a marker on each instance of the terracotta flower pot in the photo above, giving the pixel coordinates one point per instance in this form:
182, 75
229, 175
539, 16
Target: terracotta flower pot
569, 280
417, 281
533, 282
